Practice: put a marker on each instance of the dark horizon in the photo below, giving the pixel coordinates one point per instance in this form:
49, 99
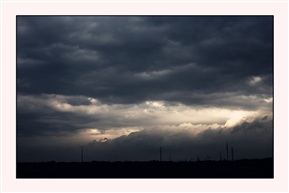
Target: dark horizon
119, 88
254, 168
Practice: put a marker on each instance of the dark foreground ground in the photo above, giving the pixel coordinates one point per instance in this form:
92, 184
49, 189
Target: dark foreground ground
259, 168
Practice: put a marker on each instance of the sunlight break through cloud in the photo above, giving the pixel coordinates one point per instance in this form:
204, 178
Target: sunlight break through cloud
143, 114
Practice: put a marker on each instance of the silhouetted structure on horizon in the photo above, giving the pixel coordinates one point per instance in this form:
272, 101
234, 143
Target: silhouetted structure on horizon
227, 149
232, 154
81, 153
161, 153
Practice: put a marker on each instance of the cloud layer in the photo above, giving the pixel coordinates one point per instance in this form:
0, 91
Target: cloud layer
144, 79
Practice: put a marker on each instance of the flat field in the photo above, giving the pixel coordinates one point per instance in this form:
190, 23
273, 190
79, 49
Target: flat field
257, 168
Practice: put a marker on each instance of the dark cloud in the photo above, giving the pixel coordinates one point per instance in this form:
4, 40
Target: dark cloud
102, 56
50, 123
40, 115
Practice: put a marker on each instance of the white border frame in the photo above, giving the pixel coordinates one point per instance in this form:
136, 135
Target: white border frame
11, 8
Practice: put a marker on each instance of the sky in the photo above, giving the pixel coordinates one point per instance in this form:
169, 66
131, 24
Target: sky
121, 87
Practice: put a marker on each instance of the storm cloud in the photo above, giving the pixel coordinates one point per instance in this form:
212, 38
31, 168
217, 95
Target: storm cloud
137, 81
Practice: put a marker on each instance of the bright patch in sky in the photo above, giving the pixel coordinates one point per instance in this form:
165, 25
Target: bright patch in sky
255, 80
268, 100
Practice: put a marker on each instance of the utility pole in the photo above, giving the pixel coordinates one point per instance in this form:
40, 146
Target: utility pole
232, 154
227, 149
160, 153
81, 153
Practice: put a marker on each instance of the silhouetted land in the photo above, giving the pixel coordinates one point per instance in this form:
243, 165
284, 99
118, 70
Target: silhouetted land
257, 168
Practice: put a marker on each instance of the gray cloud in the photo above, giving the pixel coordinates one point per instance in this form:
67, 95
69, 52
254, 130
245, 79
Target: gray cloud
101, 56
